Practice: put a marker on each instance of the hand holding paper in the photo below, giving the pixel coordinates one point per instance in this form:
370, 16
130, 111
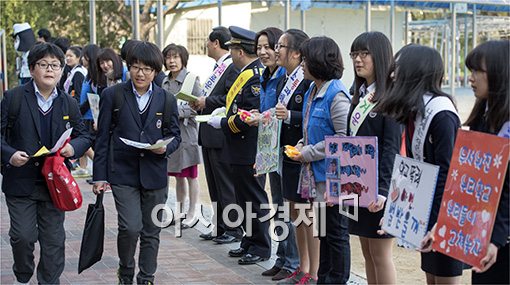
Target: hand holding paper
158, 148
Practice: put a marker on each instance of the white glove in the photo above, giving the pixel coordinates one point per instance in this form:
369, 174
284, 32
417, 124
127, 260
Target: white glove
215, 122
219, 111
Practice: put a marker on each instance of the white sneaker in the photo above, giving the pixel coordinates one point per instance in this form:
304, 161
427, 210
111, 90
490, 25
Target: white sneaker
80, 173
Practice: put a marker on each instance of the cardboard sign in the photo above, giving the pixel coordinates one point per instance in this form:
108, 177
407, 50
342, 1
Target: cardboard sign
268, 143
471, 196
351, 168
412, 188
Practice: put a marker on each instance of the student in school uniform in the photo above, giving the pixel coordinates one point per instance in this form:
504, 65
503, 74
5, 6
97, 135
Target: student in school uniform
44, 113
137, 177
371, 55
415, 89
289, 109
488, 64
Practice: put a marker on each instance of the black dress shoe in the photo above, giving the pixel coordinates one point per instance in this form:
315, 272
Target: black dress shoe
207, 236
250, 259
226, 238
236, 252
272, 272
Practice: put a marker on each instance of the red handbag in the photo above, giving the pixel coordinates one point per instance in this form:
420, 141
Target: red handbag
64, 190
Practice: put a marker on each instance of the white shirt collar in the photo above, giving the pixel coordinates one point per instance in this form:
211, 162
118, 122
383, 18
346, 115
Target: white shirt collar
223, 58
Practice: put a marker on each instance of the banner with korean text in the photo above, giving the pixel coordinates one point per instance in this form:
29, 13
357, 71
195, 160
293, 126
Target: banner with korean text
351, 168
471, 196
412, 188
268, 143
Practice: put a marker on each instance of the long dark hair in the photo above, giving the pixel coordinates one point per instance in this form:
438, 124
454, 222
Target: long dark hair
118, 70
295, 38
379, 47
417, 70
491, 57
90, 53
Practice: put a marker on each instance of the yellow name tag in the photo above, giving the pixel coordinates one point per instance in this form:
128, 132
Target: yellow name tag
159, 114
66, 117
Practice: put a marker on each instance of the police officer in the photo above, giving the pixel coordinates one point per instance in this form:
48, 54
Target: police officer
217, 167
242, 145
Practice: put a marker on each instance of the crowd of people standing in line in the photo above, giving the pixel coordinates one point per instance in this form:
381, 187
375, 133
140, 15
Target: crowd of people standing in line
298, 76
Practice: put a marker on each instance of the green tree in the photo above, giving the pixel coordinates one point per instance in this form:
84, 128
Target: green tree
70, 19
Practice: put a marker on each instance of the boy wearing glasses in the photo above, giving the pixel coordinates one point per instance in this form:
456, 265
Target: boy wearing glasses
42, 113
137, 177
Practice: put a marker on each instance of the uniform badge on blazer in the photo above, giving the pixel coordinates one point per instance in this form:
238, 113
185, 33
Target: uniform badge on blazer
158, 124
234, 108
298, 99
68, 125
255, 90
372, 114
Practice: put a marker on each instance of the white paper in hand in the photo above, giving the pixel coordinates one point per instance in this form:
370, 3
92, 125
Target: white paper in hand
62, 140
141, 145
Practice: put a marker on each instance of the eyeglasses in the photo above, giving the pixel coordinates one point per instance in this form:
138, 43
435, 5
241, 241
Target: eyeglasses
279, 46
362, 54
145, 70
52, 66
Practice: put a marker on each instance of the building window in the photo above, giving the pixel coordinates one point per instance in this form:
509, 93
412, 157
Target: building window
198, 31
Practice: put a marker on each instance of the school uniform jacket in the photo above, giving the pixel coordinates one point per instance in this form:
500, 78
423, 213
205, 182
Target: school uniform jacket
118, 163
25, 135
389, 139
438, 149
241, 138
292, 132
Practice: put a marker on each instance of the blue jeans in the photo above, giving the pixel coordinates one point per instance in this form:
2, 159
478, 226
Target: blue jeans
287, 253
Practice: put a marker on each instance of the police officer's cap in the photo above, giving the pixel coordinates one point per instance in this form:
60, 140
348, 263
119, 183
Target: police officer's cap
241, 36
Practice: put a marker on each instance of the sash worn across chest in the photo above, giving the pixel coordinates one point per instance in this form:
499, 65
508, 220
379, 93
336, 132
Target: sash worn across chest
238, 84
423, 121
218, 72
361, 112
295, 78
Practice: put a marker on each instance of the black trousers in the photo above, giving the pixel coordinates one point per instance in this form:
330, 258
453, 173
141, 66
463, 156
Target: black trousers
498, 273
335, 251
251, 189
134, 211
221, 189
34, 218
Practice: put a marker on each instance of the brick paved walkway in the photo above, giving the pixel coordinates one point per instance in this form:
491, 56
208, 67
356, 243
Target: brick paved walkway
185, 260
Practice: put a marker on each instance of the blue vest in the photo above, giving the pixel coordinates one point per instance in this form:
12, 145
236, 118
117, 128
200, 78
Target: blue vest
319, 121
268, 96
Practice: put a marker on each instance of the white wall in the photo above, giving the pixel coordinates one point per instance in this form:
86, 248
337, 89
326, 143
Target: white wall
176, 31
342, 25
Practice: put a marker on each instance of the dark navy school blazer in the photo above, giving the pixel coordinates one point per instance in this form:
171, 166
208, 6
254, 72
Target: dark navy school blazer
25, 135
118, 163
